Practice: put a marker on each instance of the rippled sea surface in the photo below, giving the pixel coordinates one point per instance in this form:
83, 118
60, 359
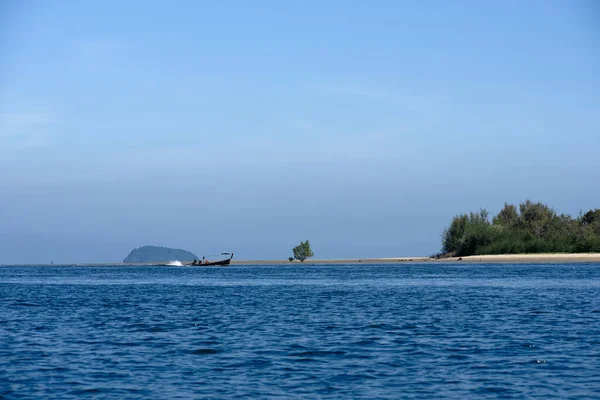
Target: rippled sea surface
369, 331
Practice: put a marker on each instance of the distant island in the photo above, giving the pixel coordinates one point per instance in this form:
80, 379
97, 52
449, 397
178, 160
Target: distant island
530, 228
146, 254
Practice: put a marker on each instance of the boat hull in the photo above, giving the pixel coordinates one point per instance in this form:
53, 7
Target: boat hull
211, 264
220, 263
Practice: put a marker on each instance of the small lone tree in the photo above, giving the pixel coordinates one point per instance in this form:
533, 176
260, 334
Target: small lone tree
302, 251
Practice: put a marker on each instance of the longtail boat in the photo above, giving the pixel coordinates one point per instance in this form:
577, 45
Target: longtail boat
207, 263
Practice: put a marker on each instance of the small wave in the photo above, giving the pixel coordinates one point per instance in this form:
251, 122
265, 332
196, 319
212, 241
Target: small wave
89, 391
383, 326
457, 357
41, 328
205, 351
23, 304
368, 341
252, 363
494, 389
317, 353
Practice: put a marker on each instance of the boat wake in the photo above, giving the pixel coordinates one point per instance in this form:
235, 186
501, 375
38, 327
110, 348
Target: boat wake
175, 263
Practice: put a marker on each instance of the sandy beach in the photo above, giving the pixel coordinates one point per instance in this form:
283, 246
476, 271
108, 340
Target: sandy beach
489, 259
535, 258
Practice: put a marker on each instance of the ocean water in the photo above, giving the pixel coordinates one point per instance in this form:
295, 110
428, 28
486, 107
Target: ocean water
331, 331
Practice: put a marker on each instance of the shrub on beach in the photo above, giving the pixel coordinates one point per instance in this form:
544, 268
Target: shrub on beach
302, 251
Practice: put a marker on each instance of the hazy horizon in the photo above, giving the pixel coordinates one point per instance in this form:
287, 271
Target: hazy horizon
250, 127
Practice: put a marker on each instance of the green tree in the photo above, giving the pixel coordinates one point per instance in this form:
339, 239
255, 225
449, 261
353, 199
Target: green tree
453, 235
508, 217
590, 217
478, 233
536, 218
590, 221
302, 251
466, 233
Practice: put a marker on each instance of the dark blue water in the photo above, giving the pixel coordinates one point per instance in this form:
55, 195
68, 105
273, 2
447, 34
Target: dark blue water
423, 331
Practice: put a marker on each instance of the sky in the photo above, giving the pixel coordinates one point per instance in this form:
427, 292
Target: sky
250, 126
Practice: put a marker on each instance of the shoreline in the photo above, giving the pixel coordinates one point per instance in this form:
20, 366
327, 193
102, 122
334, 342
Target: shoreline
482, 259
533, 258
541, 258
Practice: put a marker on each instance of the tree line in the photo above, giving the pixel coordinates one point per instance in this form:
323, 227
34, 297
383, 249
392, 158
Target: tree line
530, 228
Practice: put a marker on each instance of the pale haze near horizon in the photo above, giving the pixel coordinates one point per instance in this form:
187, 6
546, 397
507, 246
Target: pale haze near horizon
250, 126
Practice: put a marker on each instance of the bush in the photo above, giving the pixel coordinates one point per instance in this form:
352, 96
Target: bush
302, 251
535, 228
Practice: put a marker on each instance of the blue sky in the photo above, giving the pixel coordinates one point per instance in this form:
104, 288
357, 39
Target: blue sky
250, 126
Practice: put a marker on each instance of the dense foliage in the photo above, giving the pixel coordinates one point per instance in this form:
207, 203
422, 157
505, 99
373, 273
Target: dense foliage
302, 251
158, 254
532, 228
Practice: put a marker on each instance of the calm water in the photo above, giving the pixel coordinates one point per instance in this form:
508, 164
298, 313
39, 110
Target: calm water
494, 331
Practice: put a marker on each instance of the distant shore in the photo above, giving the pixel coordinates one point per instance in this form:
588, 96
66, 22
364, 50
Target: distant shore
541, 258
